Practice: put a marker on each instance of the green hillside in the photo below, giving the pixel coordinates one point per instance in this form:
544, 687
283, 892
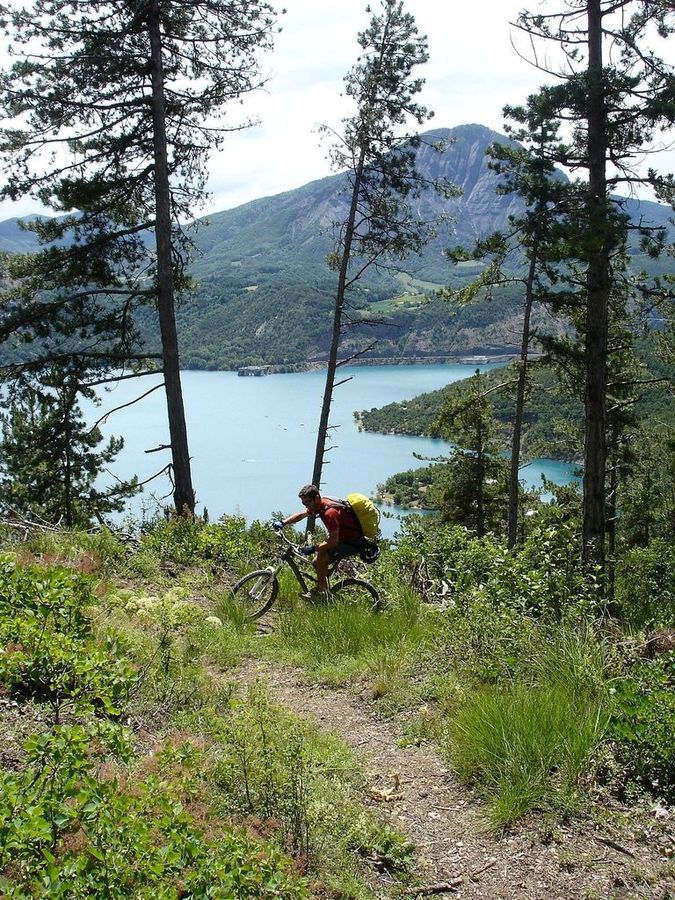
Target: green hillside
264, 293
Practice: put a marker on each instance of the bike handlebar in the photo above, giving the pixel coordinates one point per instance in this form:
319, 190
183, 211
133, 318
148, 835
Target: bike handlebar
290, 543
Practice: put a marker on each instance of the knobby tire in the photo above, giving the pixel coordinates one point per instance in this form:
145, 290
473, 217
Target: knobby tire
263, 587
355, 590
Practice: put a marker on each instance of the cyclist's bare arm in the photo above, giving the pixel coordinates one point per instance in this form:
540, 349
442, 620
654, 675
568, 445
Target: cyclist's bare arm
296, 517
328, 544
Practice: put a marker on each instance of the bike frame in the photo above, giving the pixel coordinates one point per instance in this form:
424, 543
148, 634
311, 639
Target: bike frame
288, 558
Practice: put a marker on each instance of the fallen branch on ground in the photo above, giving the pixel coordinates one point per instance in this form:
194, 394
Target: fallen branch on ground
608, 842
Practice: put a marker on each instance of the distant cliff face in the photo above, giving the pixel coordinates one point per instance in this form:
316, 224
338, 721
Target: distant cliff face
480, 209
293, 231
296, 226
299, 223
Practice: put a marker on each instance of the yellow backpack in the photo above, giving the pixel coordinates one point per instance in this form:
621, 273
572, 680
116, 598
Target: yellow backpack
366, 512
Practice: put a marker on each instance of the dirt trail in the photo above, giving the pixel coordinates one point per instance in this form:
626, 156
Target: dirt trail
412, 788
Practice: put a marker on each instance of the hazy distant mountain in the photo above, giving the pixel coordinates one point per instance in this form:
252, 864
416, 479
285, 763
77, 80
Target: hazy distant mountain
14, 239
265, 292
293, 229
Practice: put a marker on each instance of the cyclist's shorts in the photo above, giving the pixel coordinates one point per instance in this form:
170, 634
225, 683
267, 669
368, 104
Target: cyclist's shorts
345, 549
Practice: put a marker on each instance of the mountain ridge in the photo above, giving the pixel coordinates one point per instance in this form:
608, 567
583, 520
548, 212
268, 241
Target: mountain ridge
265, 293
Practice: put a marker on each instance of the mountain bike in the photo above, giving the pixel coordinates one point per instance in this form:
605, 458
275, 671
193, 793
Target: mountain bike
257, 591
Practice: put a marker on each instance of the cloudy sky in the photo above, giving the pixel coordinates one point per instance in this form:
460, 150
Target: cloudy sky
473, 71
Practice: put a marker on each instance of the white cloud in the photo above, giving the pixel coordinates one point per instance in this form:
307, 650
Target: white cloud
472, 73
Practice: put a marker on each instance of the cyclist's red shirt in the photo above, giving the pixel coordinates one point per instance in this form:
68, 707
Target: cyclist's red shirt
340, 519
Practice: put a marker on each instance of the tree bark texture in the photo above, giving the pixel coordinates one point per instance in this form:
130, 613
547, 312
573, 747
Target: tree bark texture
183, 494
612, 508
598, 286
480, 479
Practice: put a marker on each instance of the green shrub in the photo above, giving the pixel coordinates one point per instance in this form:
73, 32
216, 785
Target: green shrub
645, 585
65, 832
47, 649
643, 725
302, 784
542, 579
190, 541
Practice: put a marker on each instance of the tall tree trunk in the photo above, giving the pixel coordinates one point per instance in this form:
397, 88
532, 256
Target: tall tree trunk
611, 519
597, 301
342, 281
68, 401
512, 527
480, 479
337, 324
183, 494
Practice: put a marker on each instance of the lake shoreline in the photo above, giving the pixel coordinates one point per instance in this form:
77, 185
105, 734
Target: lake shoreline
316, 365
252, 440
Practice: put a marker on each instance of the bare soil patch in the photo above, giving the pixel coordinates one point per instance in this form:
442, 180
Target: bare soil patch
414, 790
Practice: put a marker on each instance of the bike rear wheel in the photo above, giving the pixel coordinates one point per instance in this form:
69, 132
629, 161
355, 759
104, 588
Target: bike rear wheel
355, 590
256, 592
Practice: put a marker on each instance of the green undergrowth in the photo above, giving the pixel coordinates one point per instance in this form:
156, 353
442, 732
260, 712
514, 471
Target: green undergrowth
74, 825
504, 659
528, 740
284, 776
209, 795
341, 641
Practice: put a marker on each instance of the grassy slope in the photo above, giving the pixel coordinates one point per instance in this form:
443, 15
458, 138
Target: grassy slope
206, 789
510, 630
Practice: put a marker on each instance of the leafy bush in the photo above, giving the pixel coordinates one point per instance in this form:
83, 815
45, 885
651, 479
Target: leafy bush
645, 585
47, 649
643, 725
188, 541
66, 831
543, 579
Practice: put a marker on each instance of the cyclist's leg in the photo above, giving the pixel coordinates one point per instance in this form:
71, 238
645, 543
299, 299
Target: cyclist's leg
342, 551
321, 565
326, 558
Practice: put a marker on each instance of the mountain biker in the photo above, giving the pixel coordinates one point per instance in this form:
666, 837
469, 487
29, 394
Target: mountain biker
345, 537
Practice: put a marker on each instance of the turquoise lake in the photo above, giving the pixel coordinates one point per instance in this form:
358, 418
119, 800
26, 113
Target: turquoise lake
252, 439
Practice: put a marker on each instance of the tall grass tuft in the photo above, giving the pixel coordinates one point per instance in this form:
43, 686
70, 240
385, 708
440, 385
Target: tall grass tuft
339, 640
528, 742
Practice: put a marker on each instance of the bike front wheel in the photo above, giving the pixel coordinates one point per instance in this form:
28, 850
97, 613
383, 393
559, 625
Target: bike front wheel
256, 592
355, 590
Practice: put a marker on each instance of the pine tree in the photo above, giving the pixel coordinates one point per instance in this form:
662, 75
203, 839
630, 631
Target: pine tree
475, 490
614, 107
378, 153
50, 458
129, 91
526, 253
